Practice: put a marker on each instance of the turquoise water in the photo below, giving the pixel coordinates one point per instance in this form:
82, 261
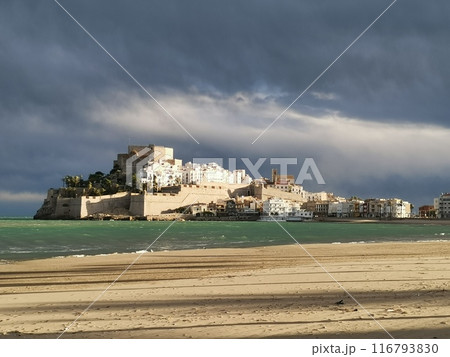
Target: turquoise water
22, 239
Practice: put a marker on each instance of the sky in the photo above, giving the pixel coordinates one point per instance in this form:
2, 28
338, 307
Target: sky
376, 123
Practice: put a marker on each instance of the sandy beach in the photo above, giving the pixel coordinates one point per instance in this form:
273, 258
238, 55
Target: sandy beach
266, 292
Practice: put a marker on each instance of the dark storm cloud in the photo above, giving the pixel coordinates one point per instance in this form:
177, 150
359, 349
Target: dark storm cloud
397, 71
52, 72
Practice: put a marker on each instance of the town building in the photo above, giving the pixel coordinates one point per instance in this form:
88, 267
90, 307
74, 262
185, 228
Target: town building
275, 207
139, 155
284, 209
153, 167
318, 196
436, 206
341, 209
385, 208
444, 206
282, 179
427, 211
318, 208
397, 208
194, 173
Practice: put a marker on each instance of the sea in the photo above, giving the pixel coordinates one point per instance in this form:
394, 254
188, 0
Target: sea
25, 239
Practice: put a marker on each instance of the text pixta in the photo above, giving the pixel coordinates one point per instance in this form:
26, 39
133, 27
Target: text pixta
346, 350
308, 167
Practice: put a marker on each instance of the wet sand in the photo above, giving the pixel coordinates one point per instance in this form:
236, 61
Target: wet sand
266, 292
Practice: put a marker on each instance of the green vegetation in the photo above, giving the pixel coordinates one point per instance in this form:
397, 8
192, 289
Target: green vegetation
97, 184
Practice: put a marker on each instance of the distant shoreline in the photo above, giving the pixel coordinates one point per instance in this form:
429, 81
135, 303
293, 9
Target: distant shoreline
171, 217
431, 221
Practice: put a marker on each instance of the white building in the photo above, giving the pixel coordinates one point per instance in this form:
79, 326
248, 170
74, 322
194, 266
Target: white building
275, 207
317, 196
397, 208
239, 176
444, 206
284, 209
341, 209
193, 173
162, 173
294, 210
386, 208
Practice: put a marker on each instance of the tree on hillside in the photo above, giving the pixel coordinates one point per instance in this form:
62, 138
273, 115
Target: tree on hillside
73, 181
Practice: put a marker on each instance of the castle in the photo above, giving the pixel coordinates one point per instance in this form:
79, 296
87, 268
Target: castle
147, 182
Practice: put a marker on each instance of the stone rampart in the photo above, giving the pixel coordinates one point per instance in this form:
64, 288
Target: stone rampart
153, 204
264, 193
117, 204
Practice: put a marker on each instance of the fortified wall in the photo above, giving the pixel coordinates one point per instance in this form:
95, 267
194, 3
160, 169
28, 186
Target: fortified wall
117, 204
264, 193
148, 204
57, 207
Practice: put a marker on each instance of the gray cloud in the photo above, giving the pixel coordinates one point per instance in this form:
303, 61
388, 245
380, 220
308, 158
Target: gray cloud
21, 197
225, 69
